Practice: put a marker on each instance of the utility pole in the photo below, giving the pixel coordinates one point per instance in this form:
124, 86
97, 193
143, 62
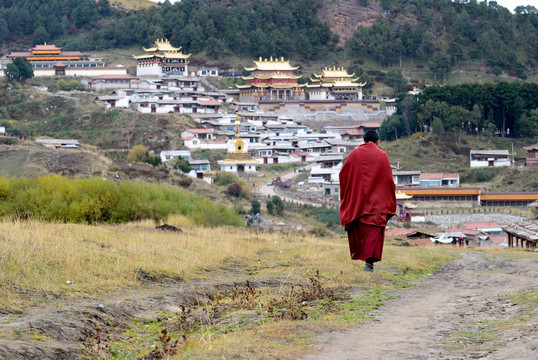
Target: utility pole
513, 156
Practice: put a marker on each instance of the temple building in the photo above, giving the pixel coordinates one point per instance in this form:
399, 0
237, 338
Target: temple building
271, 80
50, 60
335, 84
532, 155
162, 59
238, 158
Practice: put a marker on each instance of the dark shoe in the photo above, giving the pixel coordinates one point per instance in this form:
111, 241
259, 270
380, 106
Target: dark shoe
368, 267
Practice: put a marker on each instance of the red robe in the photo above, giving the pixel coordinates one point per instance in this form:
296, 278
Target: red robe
367, 195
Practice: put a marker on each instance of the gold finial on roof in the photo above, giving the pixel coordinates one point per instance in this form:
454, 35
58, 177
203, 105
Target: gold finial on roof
260, 58
282, 58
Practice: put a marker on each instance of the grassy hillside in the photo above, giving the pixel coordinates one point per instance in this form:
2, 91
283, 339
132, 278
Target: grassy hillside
26, 110
450, 153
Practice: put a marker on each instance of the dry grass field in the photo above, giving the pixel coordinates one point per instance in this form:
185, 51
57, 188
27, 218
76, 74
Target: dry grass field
46, 265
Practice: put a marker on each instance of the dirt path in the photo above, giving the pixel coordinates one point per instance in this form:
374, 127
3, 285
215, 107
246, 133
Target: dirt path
462, 312
459, 313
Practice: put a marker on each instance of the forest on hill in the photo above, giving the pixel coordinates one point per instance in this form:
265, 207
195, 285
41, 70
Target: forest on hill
503, 109
441, 33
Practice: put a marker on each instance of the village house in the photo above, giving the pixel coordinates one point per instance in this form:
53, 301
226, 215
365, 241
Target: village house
326, 169
354, 132
235, 105
105, 82
172, 154
491, 228
316, 148
406, 178
439, 179
207, 71
200, 169
193, 143
331, 188
200, 165
532, 155
342, 146
114, 101
489, 158
205, 134
279, 148
170, 102
316, 136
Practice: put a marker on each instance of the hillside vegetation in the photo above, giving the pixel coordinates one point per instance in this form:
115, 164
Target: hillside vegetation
437, 36
450, 153
91, 201
27, 111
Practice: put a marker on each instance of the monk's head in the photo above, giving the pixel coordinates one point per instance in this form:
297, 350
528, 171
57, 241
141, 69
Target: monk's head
371, 136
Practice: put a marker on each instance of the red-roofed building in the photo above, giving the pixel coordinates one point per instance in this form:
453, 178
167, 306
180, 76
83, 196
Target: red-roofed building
210, 105
439, 179
50, 60
207, 134
491, 228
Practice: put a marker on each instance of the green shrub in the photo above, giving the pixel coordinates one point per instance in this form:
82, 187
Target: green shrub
223, 178
139, 153
92, 201
478, 175
7, 140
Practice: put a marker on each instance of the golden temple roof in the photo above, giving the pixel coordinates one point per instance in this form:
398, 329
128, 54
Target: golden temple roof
335, 77
400, 195
274, 86
163, 49
336, 84
162, 45
334, 73
272, 65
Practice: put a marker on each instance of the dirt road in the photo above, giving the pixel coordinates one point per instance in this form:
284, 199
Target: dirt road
272, 190
460, 313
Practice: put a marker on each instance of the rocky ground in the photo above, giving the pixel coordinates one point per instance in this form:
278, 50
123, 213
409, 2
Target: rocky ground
501, 219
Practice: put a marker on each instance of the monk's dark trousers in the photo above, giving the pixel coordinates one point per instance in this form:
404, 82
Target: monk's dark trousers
365, 241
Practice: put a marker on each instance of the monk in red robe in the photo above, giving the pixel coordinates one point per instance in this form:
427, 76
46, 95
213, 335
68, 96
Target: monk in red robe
367, 200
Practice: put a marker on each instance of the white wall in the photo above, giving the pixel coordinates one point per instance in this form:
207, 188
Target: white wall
149, 70
496, 163
81, 72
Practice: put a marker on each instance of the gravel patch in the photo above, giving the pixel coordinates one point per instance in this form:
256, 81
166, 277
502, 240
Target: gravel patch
453, 219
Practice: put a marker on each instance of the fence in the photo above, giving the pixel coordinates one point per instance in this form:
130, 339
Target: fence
481, 210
